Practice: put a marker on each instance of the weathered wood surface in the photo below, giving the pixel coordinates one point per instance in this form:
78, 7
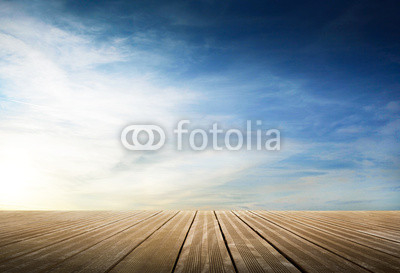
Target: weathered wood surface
199, 241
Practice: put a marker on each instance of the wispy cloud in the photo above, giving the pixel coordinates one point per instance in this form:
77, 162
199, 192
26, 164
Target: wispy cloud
63, 113
69, 86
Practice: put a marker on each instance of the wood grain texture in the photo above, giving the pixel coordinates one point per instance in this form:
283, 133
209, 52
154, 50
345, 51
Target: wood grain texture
204, 249
199, 241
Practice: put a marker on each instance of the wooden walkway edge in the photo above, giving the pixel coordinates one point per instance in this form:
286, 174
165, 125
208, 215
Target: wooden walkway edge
199, 241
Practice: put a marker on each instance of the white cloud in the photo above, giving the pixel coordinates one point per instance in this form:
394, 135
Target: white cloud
393, 106
351, 130
64, 112
63, 116
66, 94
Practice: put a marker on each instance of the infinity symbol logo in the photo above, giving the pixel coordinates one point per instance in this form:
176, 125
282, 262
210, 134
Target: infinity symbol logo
135, 145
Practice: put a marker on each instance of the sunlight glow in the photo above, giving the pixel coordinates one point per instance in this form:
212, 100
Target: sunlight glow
17, 175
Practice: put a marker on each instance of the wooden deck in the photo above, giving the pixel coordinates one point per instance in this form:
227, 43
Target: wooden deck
199, 241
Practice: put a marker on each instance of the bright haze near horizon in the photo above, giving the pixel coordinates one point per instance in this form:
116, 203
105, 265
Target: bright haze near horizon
73, 74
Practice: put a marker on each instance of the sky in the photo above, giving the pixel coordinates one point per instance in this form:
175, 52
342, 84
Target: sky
73, 74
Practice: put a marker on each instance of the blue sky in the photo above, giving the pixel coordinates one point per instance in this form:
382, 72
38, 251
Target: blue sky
74, 73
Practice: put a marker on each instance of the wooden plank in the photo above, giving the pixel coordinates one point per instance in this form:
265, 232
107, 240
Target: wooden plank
250, 252
33, 221
361, 218
384, 218
306, 255
30, 245
48, 257
204, 249
163, 246
389, 247
15, 217
55, 227
24, 220
365, 257
170, 241
102, 256
363, 228
58, 223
